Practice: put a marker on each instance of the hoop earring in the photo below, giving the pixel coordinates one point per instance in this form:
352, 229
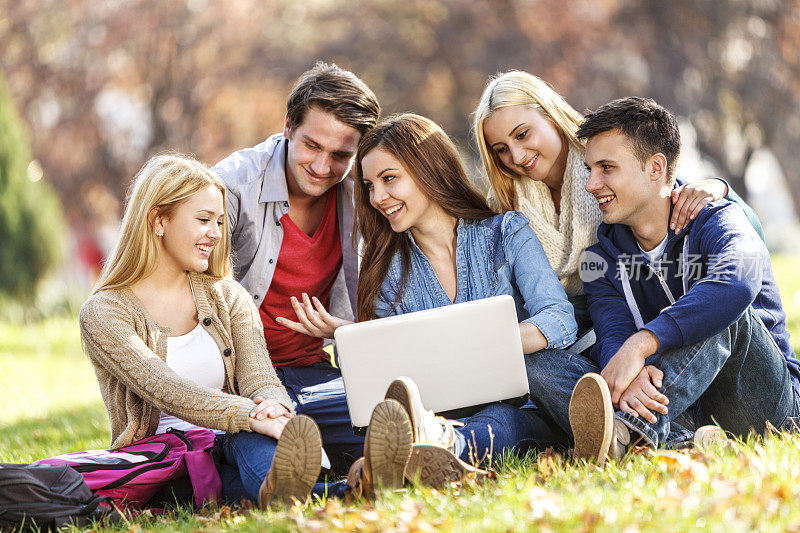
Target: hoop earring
159, 233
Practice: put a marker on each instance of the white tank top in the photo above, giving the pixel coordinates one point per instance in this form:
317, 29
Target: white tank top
193, 356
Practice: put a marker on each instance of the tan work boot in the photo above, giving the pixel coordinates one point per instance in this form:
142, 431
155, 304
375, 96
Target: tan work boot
296, 465
591, 417
434, 466
433, 461
387, 447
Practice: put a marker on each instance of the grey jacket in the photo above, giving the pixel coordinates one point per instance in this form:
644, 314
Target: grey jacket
257, 197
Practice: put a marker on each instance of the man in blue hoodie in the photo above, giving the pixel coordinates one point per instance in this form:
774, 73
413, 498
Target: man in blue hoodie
690, 328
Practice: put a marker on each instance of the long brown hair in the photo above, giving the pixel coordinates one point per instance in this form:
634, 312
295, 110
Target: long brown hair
433, 162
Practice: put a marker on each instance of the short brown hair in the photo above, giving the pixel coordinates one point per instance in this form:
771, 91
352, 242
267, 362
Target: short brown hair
649, 127
333, 90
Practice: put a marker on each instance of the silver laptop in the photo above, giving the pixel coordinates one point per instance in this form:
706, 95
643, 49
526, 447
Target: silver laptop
462, 355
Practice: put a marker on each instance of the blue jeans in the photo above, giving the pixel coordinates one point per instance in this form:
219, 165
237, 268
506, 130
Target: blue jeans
318, 391
245, 462
737, 379
501, 428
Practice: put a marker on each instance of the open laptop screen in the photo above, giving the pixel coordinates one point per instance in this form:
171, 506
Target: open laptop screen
459, 355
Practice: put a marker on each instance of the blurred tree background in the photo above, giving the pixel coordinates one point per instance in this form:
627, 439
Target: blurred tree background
30, 214
103, 85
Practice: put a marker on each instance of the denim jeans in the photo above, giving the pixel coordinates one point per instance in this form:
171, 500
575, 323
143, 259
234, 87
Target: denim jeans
737, 379
501, 428
247, 458
318, 391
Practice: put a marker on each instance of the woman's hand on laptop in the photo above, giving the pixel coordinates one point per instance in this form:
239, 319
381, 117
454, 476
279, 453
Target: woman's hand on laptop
314, 319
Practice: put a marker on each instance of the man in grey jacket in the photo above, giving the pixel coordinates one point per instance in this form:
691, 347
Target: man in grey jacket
290, 207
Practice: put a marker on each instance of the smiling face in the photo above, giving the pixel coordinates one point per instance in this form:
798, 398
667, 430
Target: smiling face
191, 231
622, 185
320, 153
394, 193
526, 143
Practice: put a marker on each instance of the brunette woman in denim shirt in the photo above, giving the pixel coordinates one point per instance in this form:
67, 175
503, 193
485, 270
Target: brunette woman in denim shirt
429, 240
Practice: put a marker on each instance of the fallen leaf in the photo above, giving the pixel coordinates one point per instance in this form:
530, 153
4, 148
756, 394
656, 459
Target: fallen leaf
543, 503
672, 458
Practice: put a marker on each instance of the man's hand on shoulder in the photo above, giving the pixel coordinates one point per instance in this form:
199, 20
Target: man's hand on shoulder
628, 362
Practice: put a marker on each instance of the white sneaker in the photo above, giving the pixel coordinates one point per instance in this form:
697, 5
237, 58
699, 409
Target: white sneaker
434, 459
706, 436
427, 428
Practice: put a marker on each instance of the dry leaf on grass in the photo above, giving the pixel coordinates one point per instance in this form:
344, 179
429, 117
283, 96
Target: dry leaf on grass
543, 503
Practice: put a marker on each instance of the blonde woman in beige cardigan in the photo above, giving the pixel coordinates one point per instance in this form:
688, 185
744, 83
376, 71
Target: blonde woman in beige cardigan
525, 133
176, 342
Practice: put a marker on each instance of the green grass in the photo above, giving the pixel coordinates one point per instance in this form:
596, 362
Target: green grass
50, 401
49, 404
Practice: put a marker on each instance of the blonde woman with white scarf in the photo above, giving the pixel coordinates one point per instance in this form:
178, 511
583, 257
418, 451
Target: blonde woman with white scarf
525, 132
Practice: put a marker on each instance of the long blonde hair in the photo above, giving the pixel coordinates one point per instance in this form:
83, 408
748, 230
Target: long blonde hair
164, 182
519, 88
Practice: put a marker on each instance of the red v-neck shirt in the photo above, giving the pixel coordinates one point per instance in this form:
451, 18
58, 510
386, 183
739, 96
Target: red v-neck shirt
305, 264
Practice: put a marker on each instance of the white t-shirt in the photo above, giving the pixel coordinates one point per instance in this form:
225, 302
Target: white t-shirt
193, 356
655, 254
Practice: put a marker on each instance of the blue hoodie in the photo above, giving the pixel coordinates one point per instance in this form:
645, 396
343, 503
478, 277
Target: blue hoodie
727, 270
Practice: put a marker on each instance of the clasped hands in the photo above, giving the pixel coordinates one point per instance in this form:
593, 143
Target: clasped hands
269, 417
634, 385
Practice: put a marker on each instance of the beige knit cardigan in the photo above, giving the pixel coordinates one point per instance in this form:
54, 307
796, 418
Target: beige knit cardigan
128, 350
565, 235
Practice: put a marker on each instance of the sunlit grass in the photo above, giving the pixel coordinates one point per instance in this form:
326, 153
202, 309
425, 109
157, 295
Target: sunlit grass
50, 404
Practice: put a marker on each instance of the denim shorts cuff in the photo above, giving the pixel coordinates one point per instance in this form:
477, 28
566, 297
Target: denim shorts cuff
639, 427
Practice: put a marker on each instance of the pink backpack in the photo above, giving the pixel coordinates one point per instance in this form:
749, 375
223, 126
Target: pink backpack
131, 475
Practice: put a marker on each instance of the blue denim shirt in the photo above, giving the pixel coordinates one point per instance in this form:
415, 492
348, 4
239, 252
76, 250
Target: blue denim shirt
498, 255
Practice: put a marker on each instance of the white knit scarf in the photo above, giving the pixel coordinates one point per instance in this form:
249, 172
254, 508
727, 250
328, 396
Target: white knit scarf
566, 235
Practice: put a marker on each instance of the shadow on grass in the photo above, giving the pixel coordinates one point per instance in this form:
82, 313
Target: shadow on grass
67, 430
